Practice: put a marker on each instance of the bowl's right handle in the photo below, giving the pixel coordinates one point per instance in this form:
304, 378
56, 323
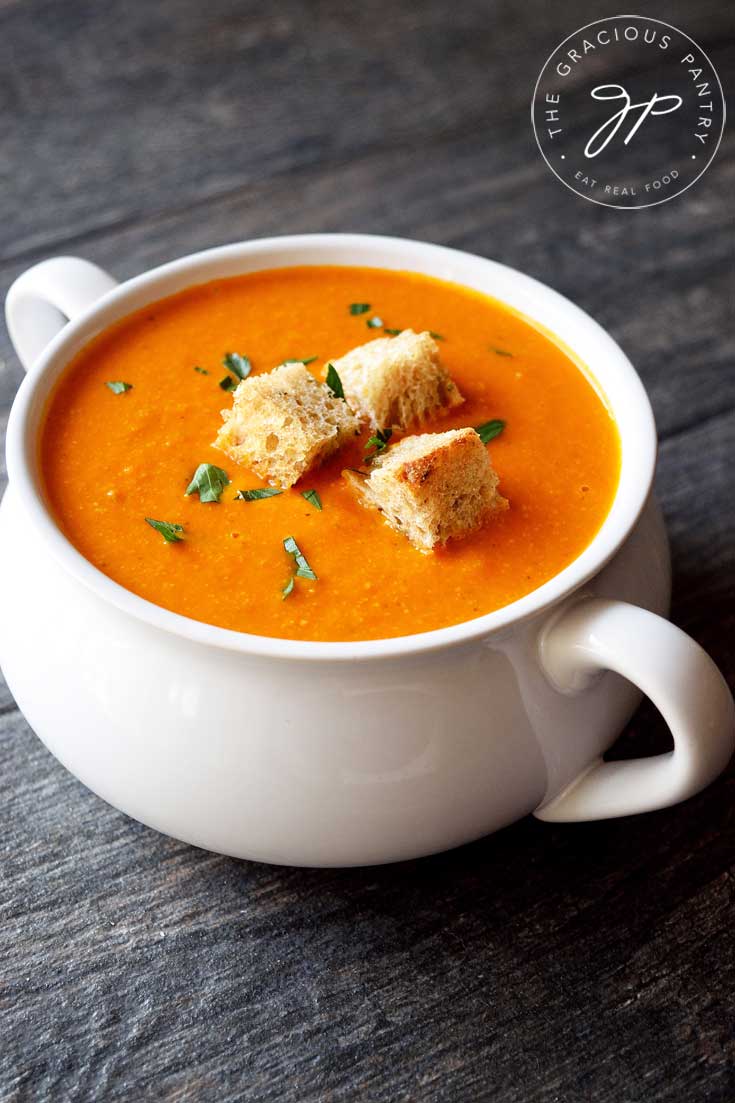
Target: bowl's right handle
596, 634
44, 298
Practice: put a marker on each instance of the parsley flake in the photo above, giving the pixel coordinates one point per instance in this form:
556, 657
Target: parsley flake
374, 323
301, 567
117, 387
168, 530
312, 498
391, 332
298, 360
378, 443
489, 430
500, 352
202, 371
208, 482
359, 308
228, 383
303, 570
256, 495
238, 365
334, 382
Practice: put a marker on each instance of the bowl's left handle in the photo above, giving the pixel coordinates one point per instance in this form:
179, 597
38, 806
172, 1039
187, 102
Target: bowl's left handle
46, 297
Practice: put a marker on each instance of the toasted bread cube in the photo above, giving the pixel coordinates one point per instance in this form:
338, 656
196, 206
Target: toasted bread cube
433, 487
395, 381
284, 423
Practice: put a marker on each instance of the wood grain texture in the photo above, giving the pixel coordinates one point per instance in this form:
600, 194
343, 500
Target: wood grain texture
542, 965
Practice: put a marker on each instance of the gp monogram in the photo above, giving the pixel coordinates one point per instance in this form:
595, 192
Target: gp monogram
640, 138
605, 134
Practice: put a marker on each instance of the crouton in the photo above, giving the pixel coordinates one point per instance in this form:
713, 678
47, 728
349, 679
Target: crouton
433, 487
395, 381
284, 423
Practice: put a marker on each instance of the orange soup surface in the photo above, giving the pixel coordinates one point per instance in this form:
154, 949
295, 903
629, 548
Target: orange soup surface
111, 460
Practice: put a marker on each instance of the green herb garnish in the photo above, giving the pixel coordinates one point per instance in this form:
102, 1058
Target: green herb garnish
313, 498
436, 336
256, 495
489, 430
202, 371
302, 568
334, 382
228, 383
299, 360
378, 443
238, 365
374, 323
208, 482
168, 530
119, 388
359, 308
391, 332
500, 352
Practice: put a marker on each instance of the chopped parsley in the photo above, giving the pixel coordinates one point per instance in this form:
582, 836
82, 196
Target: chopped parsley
299, 360
500, 352
256, 495
374, 323
334, 382
118, 387
202, 371
391, 332
228, 383
436, 336
303, 570
301, 566
489, 430
238, 365
359, 308
313, 498
168, 530
378, 443
208, 482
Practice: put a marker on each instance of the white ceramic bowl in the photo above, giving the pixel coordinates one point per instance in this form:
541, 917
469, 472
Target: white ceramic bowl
349, 753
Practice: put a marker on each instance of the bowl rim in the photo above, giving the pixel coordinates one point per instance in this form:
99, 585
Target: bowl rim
637, 432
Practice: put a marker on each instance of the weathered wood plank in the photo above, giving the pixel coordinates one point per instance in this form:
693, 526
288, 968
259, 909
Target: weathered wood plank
233, 981
111, 112
645, 275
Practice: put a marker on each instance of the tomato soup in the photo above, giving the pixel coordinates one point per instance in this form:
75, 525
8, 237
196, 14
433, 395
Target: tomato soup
114, 456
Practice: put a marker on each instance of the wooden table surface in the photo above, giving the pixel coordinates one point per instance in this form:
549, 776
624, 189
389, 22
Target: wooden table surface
545, 963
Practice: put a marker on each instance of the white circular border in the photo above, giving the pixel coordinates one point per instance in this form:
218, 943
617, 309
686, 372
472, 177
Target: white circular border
599, 202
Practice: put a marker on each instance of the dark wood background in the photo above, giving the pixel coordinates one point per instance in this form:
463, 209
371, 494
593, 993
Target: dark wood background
552, 964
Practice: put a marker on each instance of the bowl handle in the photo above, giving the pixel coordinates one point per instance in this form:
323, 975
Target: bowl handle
682, 681
45, 297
